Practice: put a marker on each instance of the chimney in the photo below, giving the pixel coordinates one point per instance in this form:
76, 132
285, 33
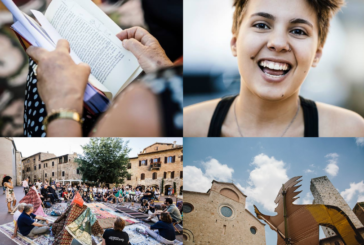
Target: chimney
174, 144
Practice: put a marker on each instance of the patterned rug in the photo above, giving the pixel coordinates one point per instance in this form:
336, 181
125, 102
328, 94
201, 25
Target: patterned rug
135, 238
8, 230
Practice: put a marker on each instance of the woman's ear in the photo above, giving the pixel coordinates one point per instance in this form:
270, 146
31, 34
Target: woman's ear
317, 56
233, 45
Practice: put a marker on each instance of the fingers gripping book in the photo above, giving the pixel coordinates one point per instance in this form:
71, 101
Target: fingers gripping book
92, 37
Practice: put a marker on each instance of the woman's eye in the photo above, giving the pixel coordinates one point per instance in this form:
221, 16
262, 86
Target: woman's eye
261, 26
298, 32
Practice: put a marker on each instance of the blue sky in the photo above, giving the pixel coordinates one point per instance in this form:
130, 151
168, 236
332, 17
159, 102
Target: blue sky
259, 166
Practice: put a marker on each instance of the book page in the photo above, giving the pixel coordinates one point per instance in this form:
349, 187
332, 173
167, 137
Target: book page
93, 43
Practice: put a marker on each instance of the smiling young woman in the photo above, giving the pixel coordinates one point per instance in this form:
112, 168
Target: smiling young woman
276, 43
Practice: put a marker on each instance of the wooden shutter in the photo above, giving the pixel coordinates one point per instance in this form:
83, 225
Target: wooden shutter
181, 174
140, 163
165, 159
165, 175
173, 158
172, 175
159, 159
151, 161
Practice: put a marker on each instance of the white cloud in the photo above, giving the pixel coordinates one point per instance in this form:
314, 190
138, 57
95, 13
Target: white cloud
218, 171
355, 188
265, 181
360, 141
196, 180
307, 199
332, 168
307, 171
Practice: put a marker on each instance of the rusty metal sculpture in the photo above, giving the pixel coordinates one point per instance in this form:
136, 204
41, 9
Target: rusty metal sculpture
299, 224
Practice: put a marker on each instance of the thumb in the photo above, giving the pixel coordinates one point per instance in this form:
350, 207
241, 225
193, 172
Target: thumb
133, 46
85, 66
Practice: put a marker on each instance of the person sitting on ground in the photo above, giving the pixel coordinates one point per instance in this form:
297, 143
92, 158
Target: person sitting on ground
152, 206
126, 194
27, 225
171, 209
65, 194
99, 197
116, 236
52, 189
85, 197
165, 227
144, 207
119, 196
147, 195
46, 193
105, 197
91, 196
16, 216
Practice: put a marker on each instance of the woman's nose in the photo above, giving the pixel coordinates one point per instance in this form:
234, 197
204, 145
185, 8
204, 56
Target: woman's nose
278, 41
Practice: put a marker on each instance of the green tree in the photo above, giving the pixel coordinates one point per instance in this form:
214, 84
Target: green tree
104, 160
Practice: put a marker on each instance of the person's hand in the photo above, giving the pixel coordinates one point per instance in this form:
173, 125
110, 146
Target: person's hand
146, 49
61, 83
13, 236
47, 222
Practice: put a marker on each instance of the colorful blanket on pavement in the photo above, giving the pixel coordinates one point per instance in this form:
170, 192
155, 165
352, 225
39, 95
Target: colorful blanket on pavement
136, 238
100, 210
33, 198
62, 237
8, 230
85, 225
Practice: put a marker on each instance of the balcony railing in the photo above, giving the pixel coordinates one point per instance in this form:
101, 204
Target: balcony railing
155, 166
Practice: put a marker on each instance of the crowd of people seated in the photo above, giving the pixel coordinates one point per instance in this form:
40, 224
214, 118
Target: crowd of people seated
58, 192
168, 213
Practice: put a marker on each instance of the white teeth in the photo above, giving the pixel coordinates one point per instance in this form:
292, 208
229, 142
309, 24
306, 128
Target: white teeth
272, 76
274, 65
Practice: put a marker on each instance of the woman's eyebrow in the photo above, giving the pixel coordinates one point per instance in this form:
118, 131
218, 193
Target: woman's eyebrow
265, 15
301, 21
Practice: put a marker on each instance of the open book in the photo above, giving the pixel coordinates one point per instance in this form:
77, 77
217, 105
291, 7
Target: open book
92, 37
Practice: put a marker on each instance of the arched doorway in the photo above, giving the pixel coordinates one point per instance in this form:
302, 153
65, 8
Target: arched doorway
166, 189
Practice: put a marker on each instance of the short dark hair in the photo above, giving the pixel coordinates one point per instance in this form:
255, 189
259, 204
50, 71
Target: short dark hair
169, 200
325, 10
119, 224
166, 218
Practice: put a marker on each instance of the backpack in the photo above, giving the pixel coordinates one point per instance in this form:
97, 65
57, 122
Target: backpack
47, 204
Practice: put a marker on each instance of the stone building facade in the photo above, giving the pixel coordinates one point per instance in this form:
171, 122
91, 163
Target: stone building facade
156, 162
324, 192
10, 160
219, 217
46, 166
359, 211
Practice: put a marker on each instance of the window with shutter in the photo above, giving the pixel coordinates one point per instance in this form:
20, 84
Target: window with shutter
165, 159
173, 158
140, 163
181, 174
165, 175
172, 175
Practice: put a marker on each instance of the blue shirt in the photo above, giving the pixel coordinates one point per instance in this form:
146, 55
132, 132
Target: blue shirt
165, 230
25, 223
